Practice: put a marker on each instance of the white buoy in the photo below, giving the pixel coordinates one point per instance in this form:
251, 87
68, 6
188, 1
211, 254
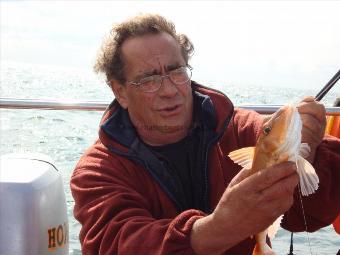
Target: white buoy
33, 214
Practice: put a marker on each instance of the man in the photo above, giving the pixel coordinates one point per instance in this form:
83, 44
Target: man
158, 179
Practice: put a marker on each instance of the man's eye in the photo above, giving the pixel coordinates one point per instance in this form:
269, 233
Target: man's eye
148, 79
178, 70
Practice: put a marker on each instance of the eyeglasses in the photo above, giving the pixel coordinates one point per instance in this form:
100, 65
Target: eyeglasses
153, 83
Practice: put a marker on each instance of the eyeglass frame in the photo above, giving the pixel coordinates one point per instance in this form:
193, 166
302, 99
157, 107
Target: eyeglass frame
162, 77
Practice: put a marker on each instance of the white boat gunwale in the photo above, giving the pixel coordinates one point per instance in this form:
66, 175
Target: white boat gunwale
47, 104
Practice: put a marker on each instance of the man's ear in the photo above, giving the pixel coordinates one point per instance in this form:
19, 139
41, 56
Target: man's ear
120, 93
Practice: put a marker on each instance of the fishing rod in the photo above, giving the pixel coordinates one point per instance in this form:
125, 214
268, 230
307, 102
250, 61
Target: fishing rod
327, 87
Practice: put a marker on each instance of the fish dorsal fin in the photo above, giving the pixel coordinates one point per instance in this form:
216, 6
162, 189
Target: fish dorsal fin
309, 180
304, 150
273, 228
243, 157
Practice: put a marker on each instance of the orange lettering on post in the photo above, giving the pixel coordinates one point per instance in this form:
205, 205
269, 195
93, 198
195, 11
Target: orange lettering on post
60, 235
51, 239
65, 232
57, 237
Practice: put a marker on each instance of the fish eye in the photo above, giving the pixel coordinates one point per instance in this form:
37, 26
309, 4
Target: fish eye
266, 130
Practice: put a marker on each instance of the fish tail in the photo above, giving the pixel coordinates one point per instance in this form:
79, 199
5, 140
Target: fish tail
261, 247
263, 250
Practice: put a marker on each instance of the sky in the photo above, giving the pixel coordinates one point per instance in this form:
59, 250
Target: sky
265, 43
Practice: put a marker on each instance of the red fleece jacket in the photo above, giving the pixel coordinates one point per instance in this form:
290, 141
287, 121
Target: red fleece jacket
123, 210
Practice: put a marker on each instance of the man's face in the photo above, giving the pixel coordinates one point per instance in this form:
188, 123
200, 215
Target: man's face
163, 116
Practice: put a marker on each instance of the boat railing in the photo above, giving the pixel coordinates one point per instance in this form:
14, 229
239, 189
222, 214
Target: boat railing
47, 104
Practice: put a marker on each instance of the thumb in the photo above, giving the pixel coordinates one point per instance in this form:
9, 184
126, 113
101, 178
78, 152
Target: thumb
243, 174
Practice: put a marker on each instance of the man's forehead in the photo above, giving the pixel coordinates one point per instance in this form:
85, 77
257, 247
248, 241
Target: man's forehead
152, 52
153, 44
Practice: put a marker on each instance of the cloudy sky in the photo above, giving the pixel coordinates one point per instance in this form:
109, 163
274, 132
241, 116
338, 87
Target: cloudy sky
268, 43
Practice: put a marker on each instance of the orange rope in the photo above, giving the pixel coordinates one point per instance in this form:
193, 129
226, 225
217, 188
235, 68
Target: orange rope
335, 130
336, 224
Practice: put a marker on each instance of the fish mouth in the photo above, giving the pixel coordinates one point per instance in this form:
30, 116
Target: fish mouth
287, 111
274, 117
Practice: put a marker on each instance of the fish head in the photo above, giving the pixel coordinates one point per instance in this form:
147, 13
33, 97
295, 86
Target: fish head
282, 132
280, 141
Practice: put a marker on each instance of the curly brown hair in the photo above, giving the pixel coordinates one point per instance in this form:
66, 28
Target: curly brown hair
110, 59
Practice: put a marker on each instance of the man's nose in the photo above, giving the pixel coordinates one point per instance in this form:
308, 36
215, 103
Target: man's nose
168, 88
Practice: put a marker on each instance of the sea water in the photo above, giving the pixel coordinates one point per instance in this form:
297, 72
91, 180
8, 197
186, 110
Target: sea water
64, 135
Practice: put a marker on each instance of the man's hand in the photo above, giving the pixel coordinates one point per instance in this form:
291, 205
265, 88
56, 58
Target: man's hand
248, 206
313, 115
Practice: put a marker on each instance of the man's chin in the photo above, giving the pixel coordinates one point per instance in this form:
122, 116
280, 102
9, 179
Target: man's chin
167, 129
158, 135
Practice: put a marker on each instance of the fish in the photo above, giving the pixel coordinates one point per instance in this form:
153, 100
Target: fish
279, 141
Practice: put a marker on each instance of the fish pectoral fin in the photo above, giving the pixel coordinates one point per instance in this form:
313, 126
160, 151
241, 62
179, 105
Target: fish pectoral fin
309, 180
273, 228
243, 157
304, 150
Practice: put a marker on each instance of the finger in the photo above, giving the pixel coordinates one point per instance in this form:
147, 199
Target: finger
310, 122
312, 128
308, 99
243, 174
282, 190
276, 207
313, 108
278, 198
267, 177
311, 138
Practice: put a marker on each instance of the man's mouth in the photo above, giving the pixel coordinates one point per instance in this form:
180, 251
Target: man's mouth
171, 110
